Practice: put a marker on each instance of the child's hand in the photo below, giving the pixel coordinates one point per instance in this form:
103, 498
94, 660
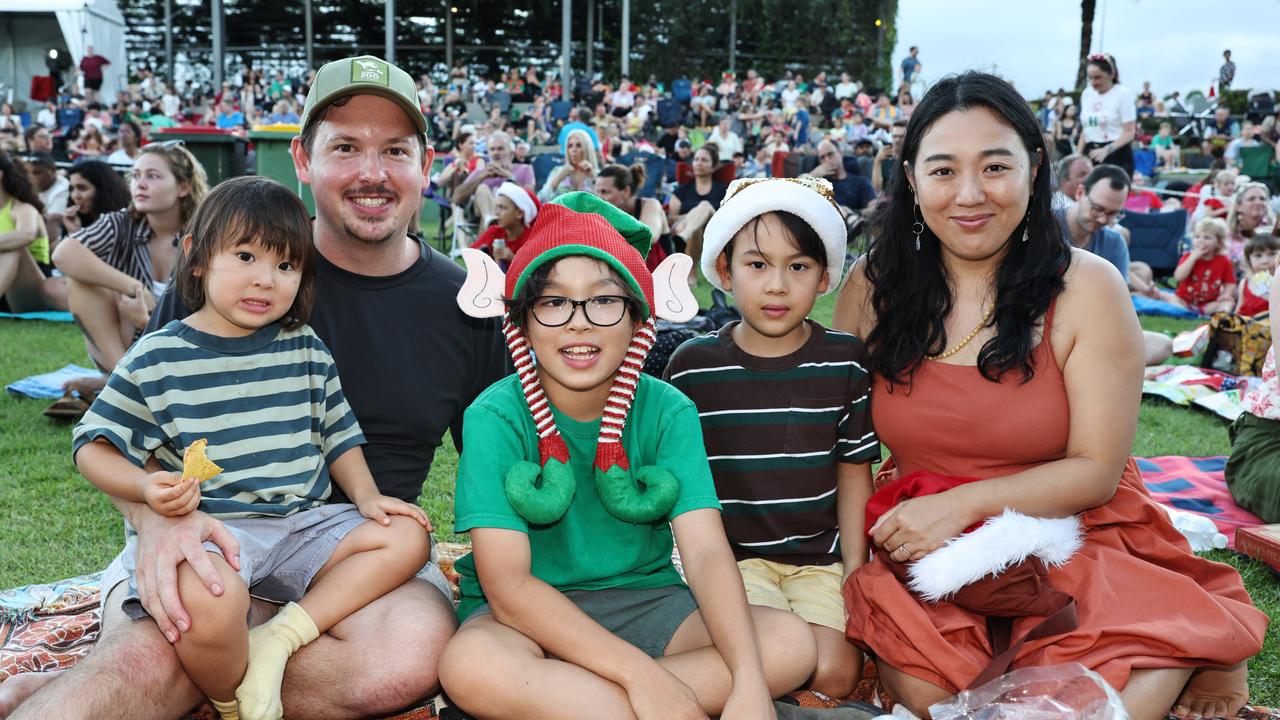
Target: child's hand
378, 507
660, 695
170, 495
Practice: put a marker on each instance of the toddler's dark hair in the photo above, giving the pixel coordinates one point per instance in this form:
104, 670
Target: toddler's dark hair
1260, 243
250, 209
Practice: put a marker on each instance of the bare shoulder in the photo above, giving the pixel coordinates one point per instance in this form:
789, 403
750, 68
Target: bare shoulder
853, 311
1094, 305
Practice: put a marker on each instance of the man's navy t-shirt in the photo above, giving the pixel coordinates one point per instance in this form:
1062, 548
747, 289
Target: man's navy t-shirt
409, 359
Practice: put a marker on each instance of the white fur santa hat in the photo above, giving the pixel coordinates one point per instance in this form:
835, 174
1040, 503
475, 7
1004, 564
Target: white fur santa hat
809, 198
526, 202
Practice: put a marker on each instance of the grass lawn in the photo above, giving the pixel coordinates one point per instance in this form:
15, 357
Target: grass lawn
53, 524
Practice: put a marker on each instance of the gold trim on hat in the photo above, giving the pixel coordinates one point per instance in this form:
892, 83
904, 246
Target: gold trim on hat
816, 184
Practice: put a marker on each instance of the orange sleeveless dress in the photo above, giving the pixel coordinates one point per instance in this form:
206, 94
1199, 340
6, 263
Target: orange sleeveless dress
1144, 599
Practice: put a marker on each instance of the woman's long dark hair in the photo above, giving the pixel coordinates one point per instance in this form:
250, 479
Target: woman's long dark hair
110, 191
911, 294
17, 183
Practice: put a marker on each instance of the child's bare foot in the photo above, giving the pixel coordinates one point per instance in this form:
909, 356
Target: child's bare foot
1214, 692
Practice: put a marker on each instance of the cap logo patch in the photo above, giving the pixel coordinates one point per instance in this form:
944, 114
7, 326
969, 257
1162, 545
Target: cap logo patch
370, 70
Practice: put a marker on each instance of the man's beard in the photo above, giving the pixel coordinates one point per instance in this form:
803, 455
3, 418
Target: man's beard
353, 233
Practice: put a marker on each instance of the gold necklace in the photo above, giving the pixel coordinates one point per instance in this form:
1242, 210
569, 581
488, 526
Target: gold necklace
967, 338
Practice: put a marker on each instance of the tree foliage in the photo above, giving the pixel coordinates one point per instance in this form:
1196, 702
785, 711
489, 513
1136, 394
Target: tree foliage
669, 38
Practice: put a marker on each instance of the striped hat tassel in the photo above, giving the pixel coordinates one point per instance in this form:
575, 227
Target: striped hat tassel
651, 493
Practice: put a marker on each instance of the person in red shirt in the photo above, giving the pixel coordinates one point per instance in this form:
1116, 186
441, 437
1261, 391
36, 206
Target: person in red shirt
91, 68
1260, 262
1206, 277
516, 210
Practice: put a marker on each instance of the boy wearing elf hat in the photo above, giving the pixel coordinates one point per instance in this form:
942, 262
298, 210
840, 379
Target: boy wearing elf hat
784, 410
517, 208
575, 473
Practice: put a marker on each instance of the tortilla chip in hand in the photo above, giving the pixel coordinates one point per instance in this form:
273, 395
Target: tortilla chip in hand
195, 464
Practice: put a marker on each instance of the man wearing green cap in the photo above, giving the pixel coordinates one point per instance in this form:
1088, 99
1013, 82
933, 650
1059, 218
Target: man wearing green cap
410, 361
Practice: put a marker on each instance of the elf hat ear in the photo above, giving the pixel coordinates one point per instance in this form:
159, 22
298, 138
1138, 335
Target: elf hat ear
672, 299
481, 293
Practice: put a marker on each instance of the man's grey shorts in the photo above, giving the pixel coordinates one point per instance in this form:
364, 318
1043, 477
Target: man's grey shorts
279, 557
645, 618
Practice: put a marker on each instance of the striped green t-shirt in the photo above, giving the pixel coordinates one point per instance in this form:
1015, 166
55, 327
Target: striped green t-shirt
270, 405
775, 429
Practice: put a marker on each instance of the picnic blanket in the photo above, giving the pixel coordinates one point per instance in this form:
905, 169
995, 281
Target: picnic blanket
49, 626
49, 385
1196, 485
1148, 306
47, 315
1218, 392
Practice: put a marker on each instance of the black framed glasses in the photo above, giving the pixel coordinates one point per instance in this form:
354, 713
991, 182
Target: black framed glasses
601, 310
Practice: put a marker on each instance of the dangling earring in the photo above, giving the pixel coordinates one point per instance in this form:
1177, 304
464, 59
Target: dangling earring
918, 226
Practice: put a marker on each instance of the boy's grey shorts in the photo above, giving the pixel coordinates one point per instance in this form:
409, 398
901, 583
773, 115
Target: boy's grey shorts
279, 557
645, 618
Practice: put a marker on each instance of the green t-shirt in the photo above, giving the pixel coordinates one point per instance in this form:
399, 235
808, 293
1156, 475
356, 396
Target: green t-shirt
587, 549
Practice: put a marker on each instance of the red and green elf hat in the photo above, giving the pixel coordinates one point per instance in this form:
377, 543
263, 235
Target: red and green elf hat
581, 224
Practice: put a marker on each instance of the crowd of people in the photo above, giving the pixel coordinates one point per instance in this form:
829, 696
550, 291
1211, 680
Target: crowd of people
988, 298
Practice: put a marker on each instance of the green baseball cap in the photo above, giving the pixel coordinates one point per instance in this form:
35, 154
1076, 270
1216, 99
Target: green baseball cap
363, 75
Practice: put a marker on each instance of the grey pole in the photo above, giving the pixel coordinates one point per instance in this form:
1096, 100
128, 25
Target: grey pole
591, 38
168, 43
733, 35
566, 39
626, 37
448, 33
389, 40
309, 29
219, 61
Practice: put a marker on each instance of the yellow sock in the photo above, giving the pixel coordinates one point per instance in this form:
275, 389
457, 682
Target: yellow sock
227, 709
270, 646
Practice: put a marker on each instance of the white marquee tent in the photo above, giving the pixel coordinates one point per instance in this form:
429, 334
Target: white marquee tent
30, 28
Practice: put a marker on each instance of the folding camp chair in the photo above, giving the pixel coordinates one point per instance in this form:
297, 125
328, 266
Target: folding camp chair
542, 167
1156, 238
1144, 162
560, 110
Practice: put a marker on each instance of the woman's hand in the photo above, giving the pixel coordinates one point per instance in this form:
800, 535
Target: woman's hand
136, 307
1099, 154
916, 527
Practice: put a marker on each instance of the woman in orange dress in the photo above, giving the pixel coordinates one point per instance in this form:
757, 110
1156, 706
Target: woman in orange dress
1003, 354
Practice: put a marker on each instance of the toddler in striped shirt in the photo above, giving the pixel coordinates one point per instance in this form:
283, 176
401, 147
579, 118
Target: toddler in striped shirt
245, 372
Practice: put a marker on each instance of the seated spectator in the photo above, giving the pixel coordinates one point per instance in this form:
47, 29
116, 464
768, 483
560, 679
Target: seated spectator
24, 243
853, 192
1206, 278
129, 137
47, 118
725, 138
1085, 223
620, 186
905, 104
283, 114
1141, 199
883, 113
578, 172
1167, 152
9, 117
1217, 202
517, 209
228, 117
89, 145
886, 161
1250, 136
694, 202
95, 190
1066, 131
1222, 126
1255, 436
38, 140
53, 190
703, 105
1070, 173
1250, 214
1259, 266
482, 183
119, 265
623, 99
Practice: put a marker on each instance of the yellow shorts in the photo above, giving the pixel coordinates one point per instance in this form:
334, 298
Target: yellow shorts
810, 591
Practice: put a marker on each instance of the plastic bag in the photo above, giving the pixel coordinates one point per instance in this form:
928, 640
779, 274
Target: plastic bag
1056, 692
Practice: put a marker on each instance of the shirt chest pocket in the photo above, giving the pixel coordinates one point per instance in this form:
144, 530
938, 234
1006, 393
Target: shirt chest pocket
812, 423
